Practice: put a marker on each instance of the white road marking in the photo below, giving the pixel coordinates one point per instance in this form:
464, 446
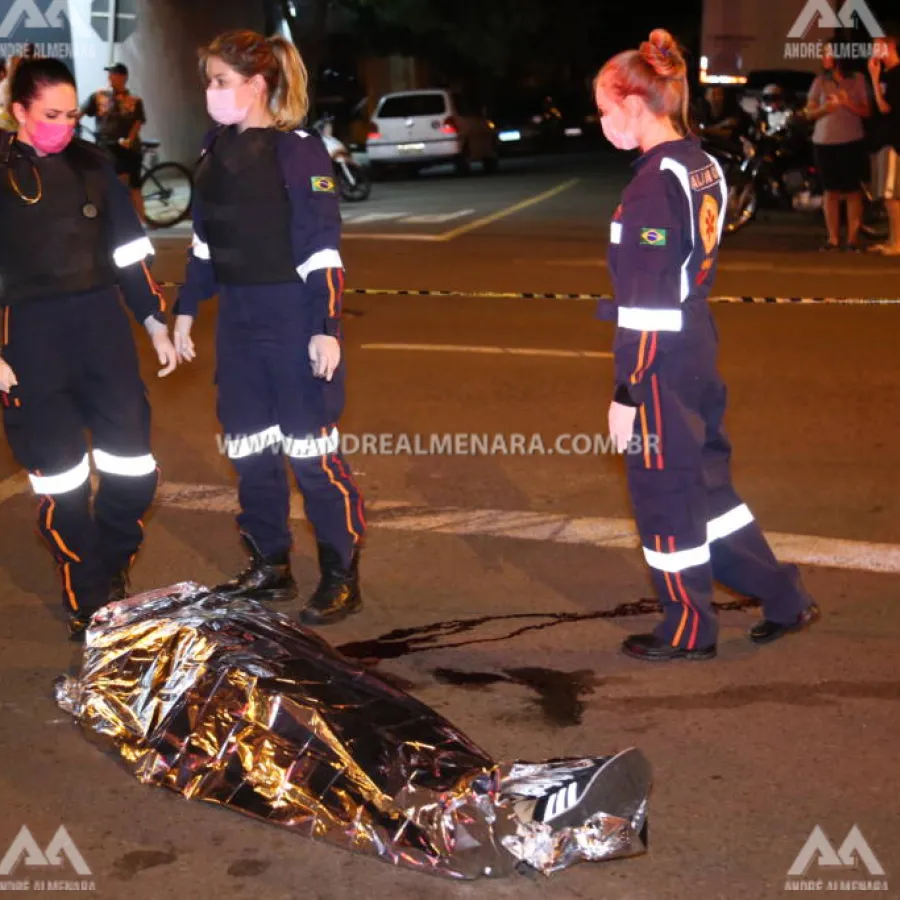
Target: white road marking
367, 218
609, 533
508, 351
437, 218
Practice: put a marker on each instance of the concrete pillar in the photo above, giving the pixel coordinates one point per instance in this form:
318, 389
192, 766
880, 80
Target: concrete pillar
161, 56
162, 59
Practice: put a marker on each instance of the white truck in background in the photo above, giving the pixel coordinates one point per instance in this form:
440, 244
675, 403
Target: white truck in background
745, 36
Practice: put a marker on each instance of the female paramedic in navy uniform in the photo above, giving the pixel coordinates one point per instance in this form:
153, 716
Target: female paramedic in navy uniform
669, 399
70, 242
267, 235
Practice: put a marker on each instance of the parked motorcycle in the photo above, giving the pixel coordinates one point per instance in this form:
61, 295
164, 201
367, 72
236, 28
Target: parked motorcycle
354, 180
775, 169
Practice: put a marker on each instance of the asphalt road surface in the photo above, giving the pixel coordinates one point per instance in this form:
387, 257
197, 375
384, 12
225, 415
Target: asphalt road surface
750, 752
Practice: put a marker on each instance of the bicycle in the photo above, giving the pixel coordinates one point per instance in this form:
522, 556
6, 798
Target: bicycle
166, 187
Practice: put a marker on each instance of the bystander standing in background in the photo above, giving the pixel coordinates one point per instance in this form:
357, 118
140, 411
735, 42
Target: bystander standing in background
837, 104
884, 69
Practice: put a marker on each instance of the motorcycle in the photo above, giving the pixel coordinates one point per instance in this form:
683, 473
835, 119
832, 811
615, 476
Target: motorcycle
775, 169
354, 180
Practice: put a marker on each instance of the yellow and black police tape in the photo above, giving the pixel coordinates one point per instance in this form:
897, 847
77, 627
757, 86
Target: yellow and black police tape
518, 295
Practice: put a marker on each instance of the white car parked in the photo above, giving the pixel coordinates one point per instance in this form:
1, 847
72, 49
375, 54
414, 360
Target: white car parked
416, 129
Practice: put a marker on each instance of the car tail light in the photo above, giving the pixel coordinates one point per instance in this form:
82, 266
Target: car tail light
449, 126
374, 134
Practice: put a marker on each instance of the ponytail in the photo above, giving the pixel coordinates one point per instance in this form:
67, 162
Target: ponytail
280, 64
289, 101
657, 73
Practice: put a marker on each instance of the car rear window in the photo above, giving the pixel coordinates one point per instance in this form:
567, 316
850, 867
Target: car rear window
412, 105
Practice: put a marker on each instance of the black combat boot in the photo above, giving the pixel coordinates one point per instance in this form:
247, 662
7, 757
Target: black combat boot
264, 578
337, 595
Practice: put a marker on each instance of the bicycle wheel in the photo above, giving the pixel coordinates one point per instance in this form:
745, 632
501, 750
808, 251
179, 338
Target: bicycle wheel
168, 191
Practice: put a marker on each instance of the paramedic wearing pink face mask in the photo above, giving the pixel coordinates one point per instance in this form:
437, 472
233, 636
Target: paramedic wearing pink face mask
71, 244
267, 232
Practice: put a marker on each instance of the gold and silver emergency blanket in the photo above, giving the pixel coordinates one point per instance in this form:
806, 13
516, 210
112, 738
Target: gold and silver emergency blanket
228, 702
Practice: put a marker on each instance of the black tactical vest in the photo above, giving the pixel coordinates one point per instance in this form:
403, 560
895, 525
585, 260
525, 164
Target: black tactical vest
245, 209
50, 248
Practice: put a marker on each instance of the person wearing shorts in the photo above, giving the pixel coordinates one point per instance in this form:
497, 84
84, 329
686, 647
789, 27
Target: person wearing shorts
884, 69
838, 103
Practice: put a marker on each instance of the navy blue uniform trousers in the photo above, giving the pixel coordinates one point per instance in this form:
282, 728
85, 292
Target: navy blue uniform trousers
77, 370
694, 527
272, 408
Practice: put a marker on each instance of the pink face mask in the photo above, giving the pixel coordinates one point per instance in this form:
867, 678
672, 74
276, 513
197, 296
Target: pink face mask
222, 106
619, 138
50, 137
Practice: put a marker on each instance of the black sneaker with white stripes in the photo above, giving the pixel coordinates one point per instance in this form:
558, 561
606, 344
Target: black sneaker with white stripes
616, 786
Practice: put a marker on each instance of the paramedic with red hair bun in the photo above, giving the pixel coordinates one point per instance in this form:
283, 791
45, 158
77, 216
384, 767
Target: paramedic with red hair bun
669, 399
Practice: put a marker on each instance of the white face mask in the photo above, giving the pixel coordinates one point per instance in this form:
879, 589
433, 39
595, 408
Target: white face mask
620, 137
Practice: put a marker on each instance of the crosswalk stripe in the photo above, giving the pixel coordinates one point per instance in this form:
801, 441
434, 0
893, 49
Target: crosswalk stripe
609, 533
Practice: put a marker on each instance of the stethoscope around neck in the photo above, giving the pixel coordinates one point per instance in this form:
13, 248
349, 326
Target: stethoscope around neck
88, 209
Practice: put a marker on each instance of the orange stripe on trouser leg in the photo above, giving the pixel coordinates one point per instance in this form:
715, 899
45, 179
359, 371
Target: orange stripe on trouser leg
660, 463
644, 434
674, 599
5, 326
346, 494
56, 535
63, 564
640, 360
347, 477
686, 599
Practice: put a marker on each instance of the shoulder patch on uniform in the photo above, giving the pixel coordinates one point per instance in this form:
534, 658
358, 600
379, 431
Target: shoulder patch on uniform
322, 184
654, 237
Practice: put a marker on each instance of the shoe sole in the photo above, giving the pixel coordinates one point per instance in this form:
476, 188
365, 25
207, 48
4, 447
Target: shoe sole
695, 656
310, 617
794, 629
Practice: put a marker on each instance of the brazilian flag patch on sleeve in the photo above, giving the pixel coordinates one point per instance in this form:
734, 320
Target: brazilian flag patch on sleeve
653, 237
322, 184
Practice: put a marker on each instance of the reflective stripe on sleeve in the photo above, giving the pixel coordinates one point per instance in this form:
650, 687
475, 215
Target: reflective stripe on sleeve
681, 173
324, 259
134, 252
677, 561
131, 466
310, 448
638, 319
63, 482
199, 248
615, 232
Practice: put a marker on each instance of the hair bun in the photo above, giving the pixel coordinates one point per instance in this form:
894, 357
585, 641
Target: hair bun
662, 53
